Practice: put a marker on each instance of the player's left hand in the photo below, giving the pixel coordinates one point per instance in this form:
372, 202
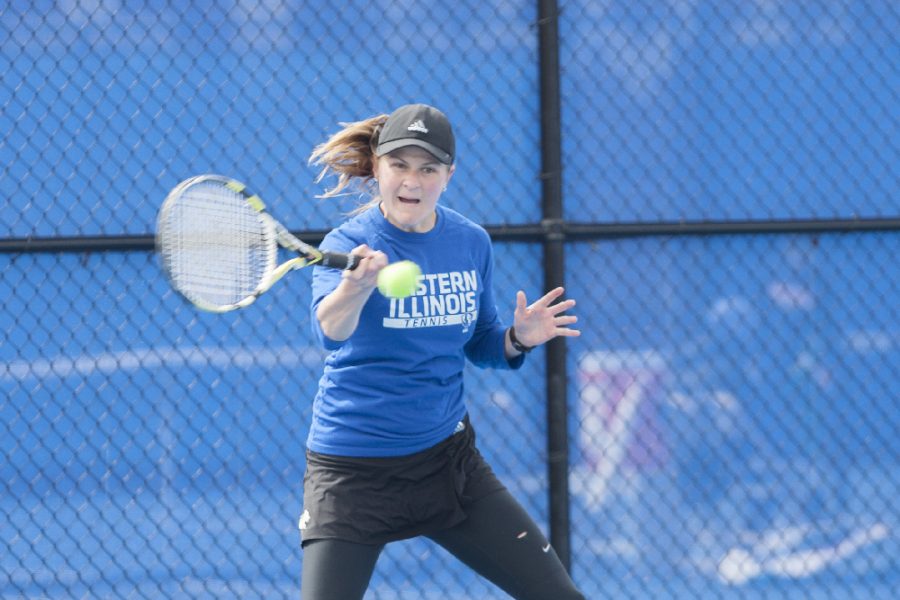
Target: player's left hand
542, 321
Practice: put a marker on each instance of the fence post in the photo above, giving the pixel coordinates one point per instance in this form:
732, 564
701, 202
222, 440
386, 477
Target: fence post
552, 213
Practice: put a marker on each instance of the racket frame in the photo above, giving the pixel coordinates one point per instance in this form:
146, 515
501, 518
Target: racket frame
279, 234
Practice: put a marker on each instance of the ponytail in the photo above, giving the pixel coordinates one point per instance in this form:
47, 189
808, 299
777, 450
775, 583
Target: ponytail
350, 154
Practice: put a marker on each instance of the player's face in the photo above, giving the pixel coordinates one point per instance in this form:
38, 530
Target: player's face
410, 181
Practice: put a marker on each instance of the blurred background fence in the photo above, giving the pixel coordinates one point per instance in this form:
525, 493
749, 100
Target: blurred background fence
730, 222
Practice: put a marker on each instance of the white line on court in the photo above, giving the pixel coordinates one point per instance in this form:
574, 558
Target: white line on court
105, 363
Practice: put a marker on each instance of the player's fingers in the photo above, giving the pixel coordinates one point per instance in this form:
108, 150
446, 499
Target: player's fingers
563, 306
378, 260
371, 262
565, 320
549, 297
566, 332
521, 301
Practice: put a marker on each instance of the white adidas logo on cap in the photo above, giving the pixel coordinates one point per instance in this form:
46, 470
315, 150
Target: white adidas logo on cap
417, 126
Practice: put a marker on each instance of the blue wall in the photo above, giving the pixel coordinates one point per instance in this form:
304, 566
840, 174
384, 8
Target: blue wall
151, 449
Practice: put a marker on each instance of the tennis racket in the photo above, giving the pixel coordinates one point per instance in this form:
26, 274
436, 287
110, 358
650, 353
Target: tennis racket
219, 246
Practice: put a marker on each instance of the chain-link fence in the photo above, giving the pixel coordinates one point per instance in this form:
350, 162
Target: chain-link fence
732, 171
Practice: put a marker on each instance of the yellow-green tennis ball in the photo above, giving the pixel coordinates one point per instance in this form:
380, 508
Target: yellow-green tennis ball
399, 279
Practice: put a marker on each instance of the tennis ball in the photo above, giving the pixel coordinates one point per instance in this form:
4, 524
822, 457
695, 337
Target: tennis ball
399, 279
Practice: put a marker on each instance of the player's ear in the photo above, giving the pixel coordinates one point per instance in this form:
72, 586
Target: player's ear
376, 166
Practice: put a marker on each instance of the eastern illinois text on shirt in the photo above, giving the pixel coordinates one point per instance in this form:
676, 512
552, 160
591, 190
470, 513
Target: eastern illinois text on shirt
440, 299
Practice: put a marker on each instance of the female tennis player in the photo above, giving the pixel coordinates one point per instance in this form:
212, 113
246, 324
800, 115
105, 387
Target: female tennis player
391, 452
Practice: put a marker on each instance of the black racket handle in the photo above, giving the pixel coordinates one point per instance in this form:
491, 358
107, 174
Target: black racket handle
338, 260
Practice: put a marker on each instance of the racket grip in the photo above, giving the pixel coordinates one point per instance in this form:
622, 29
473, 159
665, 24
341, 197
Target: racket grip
337, 260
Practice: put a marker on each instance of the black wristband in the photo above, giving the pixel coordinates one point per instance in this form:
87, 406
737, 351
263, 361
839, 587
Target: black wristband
519, 346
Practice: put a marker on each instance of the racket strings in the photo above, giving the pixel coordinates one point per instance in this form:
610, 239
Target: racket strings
221, 250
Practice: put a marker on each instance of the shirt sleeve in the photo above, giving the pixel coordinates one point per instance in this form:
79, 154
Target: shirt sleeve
487, 348
324, 281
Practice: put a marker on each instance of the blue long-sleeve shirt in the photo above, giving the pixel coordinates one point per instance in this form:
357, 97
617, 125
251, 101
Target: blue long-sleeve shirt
395, 386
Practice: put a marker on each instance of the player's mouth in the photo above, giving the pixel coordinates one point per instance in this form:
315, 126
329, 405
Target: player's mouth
405, 200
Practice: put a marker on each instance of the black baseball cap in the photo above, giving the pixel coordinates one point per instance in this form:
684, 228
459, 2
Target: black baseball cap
418, 125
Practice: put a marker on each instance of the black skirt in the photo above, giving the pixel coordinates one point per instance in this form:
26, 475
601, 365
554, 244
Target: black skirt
380, 500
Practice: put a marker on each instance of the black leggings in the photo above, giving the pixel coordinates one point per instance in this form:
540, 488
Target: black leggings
498, 540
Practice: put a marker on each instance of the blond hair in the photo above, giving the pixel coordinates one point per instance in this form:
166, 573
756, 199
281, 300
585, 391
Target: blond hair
349, 154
